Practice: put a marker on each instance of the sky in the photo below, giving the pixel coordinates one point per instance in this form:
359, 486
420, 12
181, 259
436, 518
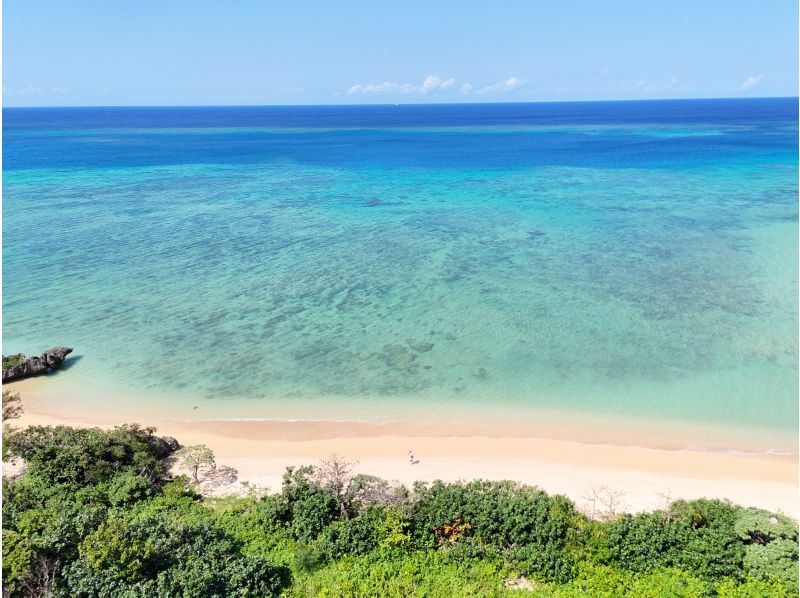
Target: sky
198, 52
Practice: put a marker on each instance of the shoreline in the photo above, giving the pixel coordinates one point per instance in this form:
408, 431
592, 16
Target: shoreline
635, 478
318, 418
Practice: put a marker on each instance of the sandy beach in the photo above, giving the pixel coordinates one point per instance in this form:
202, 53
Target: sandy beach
598, 477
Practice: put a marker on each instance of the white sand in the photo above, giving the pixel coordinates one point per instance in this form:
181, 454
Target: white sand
632, 478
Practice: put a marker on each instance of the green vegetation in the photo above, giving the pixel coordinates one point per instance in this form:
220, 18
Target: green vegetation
12, 409
197, 460
12, 360
12, 405
95, 515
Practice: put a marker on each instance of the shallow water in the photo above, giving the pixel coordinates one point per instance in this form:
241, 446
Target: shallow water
623, 258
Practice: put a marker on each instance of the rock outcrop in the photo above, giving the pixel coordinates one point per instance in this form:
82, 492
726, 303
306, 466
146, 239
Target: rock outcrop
164, 446
19, 366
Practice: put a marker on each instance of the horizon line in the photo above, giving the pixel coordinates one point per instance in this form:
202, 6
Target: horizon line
386, 104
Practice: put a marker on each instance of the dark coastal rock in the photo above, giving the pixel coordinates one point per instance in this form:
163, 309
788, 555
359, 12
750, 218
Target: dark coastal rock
171, 443
16, 367
163, 446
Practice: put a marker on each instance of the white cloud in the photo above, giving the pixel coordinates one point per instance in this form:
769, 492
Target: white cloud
751, 82
30, 89
385, 87
645, 87
58, 89
431, 84
509, 84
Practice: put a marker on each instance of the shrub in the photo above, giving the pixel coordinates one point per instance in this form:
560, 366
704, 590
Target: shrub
169, 557
353, 537
602, 581
127, 488
756, 588
82, 456
640, 542
399, 575
532, 526
500, 513
18, 559
312, 514
307, 558
12, 405
307, 508
770, 545
696, 536
709, 546
92, 517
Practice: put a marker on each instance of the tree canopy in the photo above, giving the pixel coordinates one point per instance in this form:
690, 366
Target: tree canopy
96, 514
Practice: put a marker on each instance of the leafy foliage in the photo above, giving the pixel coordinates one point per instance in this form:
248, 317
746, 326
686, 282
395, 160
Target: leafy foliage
532, 527
357, 536
197, 459
770, 545
398, 576
12, 405
12, 409
696, 536
94, 515
84, 456
12, 360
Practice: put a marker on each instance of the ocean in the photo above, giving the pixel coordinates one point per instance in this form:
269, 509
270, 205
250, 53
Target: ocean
625, 262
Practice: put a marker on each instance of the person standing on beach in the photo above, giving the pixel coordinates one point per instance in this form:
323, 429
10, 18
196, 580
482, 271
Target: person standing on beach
411, 457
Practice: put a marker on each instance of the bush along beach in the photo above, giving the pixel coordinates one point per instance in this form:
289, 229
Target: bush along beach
96, 513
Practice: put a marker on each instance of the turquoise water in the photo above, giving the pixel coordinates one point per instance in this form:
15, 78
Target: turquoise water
590, 261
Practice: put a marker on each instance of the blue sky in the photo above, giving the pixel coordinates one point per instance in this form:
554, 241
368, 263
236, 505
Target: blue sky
178, 52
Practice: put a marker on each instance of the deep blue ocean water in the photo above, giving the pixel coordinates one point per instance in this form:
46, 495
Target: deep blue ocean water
382, 262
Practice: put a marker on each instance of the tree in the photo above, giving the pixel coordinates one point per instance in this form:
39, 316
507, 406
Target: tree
302, 505
93, 516
333, 475
85, 456
370, 491
196, 459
